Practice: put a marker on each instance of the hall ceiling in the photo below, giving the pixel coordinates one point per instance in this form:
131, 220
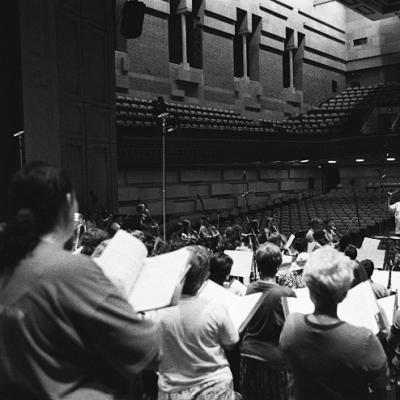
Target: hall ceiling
374, 9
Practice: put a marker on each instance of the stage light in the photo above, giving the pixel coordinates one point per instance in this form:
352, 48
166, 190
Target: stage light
390, 159
304, 161
360, 160
331, 161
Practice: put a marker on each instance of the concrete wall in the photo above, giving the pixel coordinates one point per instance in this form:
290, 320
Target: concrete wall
325, 49
364, 175
220, 188
379, 59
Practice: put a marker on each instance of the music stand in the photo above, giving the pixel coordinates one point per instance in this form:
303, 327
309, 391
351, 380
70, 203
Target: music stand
394, 197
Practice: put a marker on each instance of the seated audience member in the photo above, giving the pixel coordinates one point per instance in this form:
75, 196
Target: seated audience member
91, 239
316, 225
66, 332
330, 358
379, 290
194, 335
359, 272
264, 370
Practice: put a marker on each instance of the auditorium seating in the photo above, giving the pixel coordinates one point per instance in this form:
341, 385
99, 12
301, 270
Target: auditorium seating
292, 216
343, 113
347, 110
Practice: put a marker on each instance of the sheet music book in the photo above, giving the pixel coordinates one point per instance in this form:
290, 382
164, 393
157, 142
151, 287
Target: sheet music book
240, 308
122, 260
387, 306
242, 262
359, 308
369, 250
382, 277
148, 283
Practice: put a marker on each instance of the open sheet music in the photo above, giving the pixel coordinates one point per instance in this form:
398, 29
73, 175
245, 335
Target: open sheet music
388, 306
359, 308
369, 250
383, 278
148, 283
242, 262
240, 308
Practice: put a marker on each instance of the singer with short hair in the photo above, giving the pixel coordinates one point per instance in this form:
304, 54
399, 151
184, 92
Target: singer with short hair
330, 358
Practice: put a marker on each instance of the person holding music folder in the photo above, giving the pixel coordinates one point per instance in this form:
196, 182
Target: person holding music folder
220, 269
264, 369
330, 358
194, 335
66, 332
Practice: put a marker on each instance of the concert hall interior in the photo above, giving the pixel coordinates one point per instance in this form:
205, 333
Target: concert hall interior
201, 200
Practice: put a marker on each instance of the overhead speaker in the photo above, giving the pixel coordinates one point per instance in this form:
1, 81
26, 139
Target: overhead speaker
132, 16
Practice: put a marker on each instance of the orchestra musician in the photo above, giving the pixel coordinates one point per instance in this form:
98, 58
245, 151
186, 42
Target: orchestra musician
316, 225
331, 234
142, 221
189, 235
209, 233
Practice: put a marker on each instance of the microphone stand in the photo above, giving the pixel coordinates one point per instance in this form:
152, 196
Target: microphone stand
356, 204
253, 274
19, 135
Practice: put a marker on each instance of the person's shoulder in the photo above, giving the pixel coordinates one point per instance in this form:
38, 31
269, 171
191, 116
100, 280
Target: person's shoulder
64, 265
356, 334
283, 291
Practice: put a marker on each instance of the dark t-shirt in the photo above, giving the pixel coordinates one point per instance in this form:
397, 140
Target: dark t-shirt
335, 362
261, 338
66, 328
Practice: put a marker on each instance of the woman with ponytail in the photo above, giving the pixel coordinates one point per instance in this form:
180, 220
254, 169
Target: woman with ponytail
65, 331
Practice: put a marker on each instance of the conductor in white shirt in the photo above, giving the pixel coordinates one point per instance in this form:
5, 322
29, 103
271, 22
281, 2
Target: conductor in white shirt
395, 207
